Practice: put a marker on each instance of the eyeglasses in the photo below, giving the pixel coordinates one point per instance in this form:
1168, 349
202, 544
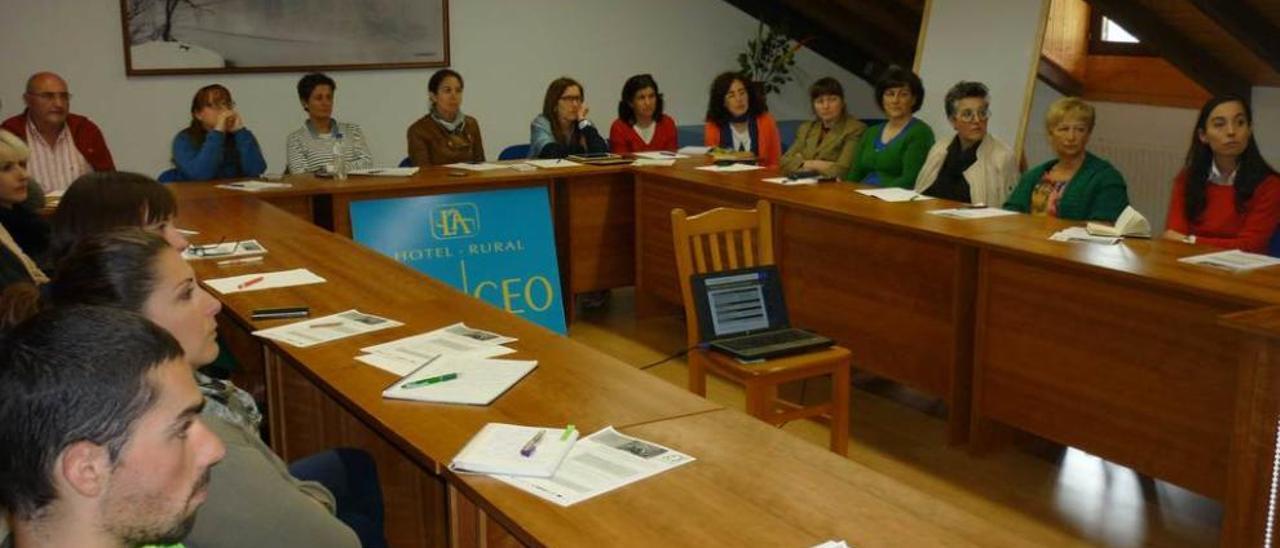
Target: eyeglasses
571, 98
51, 95
973, 115
213, 250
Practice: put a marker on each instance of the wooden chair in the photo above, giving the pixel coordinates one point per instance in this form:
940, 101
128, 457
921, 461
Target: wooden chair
727, 239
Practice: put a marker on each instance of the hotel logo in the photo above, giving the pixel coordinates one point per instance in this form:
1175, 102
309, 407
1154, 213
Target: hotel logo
453, 221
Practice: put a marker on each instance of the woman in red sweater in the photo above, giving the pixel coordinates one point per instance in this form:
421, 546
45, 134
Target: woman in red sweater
641, 126
1226, 196
739, 119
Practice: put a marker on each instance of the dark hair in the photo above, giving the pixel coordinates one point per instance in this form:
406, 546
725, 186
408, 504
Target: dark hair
114, 268
629, 90
964, 90
195, 130
100, 201
826, 86
310, 82
716, 111
896, 77
69, 375
433, 85
552, 99
1251, 168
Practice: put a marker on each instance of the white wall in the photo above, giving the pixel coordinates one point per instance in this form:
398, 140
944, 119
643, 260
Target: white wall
507, 52
1266, 122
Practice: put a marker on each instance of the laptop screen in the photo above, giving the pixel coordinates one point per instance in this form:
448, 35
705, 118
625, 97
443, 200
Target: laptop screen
739, 301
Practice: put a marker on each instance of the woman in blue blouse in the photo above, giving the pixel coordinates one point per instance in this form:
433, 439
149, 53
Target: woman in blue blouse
216, 145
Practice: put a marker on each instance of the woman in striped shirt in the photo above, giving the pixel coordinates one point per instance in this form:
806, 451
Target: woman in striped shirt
311, 148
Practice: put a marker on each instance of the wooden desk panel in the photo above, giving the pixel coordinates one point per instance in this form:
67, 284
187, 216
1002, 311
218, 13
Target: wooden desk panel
596, 216
1251, 510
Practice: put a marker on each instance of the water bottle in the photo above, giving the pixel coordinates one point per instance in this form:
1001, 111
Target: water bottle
339, 158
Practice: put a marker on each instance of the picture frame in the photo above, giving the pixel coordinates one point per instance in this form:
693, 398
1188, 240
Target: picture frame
167, 37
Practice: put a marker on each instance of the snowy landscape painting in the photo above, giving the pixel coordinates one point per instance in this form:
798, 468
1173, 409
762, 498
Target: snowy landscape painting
219, 36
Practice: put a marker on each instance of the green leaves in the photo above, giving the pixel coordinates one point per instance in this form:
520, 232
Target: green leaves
769, 58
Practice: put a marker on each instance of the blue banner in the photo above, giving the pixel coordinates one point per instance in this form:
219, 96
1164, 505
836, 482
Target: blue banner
496, 245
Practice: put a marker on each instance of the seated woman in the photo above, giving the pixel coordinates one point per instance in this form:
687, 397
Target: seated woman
311, 148
891, 154
1227, 195
445, 135
563, 128
641, 125
828, 144
973, 166
20, 224
1076, 185
216, 145
253, 498
738, 119
104, 200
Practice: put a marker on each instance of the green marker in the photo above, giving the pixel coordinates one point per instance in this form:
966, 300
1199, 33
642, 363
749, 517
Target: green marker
430, 380
568, 430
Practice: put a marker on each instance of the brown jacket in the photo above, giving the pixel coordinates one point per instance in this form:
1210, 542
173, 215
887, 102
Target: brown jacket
840, 146
431, 145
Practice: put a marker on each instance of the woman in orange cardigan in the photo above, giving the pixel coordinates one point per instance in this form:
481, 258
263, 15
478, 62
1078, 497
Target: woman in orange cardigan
739, 119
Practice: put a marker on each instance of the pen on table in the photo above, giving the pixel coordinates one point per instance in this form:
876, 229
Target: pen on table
415, 371
326, 324
245, 260
250, 282
430, 380
568, 431
532, 444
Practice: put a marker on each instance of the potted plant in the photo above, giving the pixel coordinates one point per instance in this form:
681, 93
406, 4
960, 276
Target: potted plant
769, 58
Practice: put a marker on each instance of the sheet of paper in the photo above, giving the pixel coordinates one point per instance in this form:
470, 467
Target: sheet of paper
269, 280
832, 544
499, 449
187, 232
694, 150
660, 155
973, 212
894, 194
401, 366
479, 380
730, 168
254, 186
386, 171
787, 181
654, 162
549, 164
328, 328
481, 166
1079, 234
1233, 260
599, 463
454, 339
224, 250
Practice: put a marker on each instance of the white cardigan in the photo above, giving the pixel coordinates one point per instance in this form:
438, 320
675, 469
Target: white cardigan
991, 178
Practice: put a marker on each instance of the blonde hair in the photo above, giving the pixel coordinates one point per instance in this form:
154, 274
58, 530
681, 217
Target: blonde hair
1068, 107
12, 149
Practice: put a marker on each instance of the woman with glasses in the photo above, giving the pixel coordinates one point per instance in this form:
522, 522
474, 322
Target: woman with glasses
891, 154
641, 125
738, 119
311, 148
974, 166
563, 128
445, 135
216, 145
828, 144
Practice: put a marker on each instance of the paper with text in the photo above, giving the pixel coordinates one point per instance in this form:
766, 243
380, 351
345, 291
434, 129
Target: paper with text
269, 280
496, 449
1232, 260
479, 380
327, 328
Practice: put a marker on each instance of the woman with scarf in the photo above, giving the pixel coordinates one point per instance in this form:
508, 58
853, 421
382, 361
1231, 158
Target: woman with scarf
445, 135
738, 119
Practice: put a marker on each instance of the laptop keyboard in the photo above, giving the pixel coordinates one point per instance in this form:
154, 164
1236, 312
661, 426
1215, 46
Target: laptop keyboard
765, 339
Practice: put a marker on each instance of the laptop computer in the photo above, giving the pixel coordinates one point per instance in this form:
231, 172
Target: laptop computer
742, 313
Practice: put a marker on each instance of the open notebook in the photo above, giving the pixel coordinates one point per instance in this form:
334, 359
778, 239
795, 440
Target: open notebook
497, 449
476, 381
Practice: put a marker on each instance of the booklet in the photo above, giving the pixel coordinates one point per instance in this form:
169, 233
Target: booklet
460, 379
1233, 260
327, 328
599, 463
1130, 223
514, 450
224, 250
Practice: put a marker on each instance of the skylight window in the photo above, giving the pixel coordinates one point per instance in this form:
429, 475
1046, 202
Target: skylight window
1114, 33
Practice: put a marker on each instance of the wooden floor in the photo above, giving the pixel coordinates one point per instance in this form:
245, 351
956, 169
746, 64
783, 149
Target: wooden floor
1050, 495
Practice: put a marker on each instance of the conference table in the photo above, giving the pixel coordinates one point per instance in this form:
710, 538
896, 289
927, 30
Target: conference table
1118, 350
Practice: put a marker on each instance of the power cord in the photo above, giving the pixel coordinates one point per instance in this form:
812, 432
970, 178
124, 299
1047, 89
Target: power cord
671, 357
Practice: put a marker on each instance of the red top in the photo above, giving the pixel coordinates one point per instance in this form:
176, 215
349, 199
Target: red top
623, 138
1220, 225
87, 137
770, 145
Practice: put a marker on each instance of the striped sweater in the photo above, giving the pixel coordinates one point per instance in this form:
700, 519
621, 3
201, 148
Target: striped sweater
310, 152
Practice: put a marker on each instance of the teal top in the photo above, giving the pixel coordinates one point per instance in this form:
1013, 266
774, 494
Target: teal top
1097, 192
896, 163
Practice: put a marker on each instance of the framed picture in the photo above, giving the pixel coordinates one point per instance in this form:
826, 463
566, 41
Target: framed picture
230, 36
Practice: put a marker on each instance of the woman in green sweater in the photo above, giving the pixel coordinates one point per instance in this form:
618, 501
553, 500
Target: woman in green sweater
1076, 185
892, 153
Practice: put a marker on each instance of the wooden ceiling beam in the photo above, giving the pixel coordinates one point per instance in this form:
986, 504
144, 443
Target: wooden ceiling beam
1247, 25
1058, 78
838, 43
1196, 63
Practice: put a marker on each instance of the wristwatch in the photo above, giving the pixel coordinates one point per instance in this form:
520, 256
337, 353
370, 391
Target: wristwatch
1189, 238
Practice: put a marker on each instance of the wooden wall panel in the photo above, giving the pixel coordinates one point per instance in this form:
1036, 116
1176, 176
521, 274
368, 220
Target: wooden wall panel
1145, 80
1066, 38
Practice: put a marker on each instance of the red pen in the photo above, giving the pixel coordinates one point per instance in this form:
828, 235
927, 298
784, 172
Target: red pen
250, 282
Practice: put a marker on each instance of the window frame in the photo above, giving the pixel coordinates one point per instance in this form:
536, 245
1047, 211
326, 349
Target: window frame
1098, 47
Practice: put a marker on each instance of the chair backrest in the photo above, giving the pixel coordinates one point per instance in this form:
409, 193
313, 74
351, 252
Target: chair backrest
1273, 246
720, 239
406, 162
169, 175
514, 152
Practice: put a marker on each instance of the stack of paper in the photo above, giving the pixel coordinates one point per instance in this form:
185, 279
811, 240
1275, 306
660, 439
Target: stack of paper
254, 186
477, 166
693, 150
402, 356
505, 449
550, 164
328, 328
642, 162
973, 212
660, 155
787, 181
459, 378
386, 171
894, 194
730, 168
1233, 260
224, 250
264, 280
1079, 234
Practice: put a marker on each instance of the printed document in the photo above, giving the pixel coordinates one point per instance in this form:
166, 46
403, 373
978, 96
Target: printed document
548, 164
1079, 234
506, 449
328, 328
479, 166
224, 250
386, 171
467, 380
599, 463
1233, 260
254, 186
264, 280
660, 155
730, 168
894, 194
973, 212
654, 162
787, 181
454, 339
